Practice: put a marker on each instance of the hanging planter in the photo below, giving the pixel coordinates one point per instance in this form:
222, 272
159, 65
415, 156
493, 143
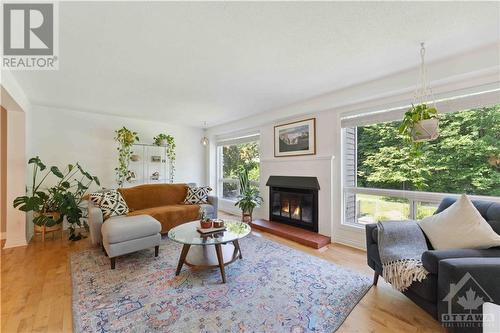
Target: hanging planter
425, 130
420, 122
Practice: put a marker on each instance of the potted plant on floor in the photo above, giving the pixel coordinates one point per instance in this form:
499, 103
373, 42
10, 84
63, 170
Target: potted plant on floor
249, 197
50, 205
125, 138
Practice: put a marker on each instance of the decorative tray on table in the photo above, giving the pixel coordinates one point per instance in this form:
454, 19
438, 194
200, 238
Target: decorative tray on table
210, 230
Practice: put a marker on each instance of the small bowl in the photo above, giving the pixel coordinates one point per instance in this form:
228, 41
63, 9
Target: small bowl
218, 223
206, 224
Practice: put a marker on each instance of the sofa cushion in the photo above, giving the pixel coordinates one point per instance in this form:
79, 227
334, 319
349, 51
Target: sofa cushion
153, 195
171, 215
431, 259
125, 228
459, 226
426, 289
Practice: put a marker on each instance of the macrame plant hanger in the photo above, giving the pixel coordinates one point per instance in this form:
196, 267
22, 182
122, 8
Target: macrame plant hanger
427, 129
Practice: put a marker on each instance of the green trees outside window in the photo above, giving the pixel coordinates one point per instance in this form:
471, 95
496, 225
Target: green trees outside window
464, 159
234, 158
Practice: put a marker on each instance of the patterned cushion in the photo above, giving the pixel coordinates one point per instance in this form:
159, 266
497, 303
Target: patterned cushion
110, 202
197, 195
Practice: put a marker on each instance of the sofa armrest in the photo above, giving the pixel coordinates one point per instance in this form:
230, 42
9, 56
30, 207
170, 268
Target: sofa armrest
459, 275
431, 258
95, 223
370, 230
214, 201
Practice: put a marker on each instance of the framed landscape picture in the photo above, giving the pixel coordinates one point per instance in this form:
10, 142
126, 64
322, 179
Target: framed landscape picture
297, 138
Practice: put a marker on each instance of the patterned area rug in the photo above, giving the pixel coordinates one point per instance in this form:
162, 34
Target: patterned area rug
273, 289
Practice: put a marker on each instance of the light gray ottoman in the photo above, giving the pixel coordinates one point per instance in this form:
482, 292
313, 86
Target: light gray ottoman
127, 234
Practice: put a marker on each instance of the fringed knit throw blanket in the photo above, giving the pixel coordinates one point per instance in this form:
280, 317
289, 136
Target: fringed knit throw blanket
400, 245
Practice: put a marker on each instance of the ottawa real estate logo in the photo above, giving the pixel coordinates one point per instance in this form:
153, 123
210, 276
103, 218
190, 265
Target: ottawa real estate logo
30, 36
464, 305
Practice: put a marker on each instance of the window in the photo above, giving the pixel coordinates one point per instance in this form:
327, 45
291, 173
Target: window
233, 156
383, 182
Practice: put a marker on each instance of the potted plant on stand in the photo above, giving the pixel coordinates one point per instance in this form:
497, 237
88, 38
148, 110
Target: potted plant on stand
51, 205
125, 138
249, 197
168, 141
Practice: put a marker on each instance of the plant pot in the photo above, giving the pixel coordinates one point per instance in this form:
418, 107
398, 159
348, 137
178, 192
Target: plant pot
206, 224
163, 143
425, 130
44, 229
246, 217
135, 158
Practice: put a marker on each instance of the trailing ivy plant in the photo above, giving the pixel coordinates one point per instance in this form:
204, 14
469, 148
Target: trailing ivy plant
65, 197
125, 138
167, 141
414, 115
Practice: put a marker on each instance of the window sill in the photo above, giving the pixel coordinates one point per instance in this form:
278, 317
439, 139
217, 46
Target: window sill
352, 226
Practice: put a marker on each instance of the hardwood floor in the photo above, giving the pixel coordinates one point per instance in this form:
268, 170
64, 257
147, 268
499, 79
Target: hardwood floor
36, 290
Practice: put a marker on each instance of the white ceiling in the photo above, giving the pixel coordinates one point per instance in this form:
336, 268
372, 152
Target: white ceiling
189, 62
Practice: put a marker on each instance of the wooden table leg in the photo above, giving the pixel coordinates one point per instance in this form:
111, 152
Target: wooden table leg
237, 247
218, 249
182, 258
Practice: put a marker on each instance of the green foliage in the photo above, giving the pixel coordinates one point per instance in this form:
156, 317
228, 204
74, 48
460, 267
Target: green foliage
160, 140
462, 160
64, 197
125, 138
243, 155
249, 197
413, 116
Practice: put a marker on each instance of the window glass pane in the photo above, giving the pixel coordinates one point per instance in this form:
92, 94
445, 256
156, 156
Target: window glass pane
464, 159
425, 209
374, 208
235, 157
229, 190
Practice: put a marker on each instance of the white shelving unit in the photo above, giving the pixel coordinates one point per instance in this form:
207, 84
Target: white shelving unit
151, 159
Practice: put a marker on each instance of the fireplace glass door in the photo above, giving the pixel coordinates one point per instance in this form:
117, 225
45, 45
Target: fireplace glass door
293, 206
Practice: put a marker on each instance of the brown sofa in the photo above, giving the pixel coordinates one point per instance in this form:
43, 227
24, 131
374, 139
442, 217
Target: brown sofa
164, 202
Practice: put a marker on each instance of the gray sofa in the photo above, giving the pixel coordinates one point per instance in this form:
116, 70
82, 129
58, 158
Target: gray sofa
438, 294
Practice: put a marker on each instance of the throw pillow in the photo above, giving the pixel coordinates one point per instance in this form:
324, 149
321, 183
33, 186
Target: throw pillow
111, 203
197, 195
459, 226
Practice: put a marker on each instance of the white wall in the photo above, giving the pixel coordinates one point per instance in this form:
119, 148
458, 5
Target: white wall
448, 77
61, 136
16, 173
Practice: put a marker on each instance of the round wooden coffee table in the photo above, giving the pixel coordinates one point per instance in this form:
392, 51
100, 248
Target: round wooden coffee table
225, 250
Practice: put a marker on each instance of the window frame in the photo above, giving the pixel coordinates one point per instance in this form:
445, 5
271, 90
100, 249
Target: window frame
220, 164
349, 187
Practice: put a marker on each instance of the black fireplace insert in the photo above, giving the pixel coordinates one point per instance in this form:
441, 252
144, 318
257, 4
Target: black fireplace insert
294, 201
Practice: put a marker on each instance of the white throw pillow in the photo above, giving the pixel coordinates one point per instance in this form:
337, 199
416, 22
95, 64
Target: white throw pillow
111, 203
459, 226
197, 195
